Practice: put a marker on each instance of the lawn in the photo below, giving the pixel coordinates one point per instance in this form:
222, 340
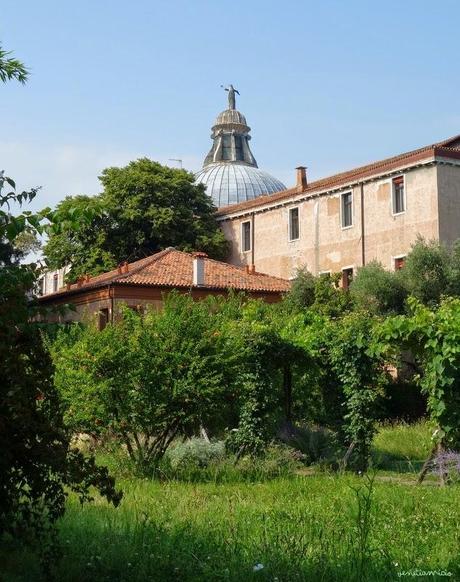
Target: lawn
293, 527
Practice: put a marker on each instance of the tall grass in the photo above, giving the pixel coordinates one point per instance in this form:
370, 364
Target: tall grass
402, 447
321, 527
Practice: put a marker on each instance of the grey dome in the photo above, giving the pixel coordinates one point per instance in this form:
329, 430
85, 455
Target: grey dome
230, 171
230, 183
232, 116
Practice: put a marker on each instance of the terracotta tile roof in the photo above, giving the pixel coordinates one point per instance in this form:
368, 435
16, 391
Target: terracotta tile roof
174, 269
449, 148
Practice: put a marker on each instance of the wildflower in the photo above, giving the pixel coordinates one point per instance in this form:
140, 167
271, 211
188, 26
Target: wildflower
258, 567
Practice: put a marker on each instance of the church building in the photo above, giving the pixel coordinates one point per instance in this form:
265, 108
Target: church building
338, 223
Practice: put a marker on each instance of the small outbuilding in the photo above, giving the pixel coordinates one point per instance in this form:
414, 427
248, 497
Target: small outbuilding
146, 281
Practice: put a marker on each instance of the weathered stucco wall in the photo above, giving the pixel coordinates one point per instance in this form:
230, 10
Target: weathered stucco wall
449, 203
324, 245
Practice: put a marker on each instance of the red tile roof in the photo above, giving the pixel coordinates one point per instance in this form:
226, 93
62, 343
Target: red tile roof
449, 148
174, 269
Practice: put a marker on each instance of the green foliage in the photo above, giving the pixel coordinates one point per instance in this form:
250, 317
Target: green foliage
321, 294
433, 336
427, 271
358, 363
11, 68
37, 464
82, 240
330, 299
145, 379
195, 452
302, 292
300, 527
378, 290
144, 207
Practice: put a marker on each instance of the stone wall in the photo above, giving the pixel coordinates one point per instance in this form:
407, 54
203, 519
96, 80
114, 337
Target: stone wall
324, 245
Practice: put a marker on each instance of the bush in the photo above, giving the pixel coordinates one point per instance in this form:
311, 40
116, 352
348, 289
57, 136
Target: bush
378, 290
314, 443
195, 452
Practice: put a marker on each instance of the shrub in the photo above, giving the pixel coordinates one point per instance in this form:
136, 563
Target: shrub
196, 452
378, 290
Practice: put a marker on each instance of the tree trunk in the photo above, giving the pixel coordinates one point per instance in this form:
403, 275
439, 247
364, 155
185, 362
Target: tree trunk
426, 464
287, 385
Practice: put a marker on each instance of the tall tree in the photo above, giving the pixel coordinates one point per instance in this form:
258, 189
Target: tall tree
37, 462
144, 207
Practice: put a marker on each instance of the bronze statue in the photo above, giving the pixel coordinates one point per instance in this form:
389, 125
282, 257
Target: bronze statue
231, 96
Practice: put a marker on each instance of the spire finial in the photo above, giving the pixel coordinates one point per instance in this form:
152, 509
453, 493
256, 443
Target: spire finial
231, 95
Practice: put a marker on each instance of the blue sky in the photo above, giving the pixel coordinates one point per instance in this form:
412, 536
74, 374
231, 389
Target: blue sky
330, 85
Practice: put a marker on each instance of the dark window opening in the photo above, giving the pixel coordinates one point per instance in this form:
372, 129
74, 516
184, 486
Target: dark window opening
399, 263
398, 195
347, 278
103, 318
227, 147
55, 282
294, 231
246, 236
239, 148
347, 209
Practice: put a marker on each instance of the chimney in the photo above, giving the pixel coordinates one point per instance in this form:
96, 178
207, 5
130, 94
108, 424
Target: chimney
198, 269
87, 278
125, 267
120, 271
68, 286
301, 178
253, 269
248, 269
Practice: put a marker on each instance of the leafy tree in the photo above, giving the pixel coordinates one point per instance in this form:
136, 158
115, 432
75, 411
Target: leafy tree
302, 292
144, 207
146, 379
433, 336
356, 358
37, 463
378, 290
426, 271
84, 244
322, 294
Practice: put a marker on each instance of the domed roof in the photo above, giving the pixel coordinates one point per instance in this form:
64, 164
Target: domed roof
233, 183
231, 116
230, 171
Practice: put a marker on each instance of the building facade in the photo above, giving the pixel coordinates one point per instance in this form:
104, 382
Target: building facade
343, 222
145, 282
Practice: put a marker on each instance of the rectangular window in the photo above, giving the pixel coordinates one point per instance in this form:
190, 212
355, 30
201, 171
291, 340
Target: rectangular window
227, 147
347, 209
347, 278
55, 282
246, 236
399, 263
398, 195
294, 231
103, 319
238, 147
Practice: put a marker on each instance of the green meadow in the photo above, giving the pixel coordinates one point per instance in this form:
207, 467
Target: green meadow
303, 524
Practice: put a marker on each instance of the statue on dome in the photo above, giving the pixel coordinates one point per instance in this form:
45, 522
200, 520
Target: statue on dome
231, 96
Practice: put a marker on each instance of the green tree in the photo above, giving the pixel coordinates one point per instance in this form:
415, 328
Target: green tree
378, 290
146, 379
356, 357
426, 271
144, 207
37, 463
433, 337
